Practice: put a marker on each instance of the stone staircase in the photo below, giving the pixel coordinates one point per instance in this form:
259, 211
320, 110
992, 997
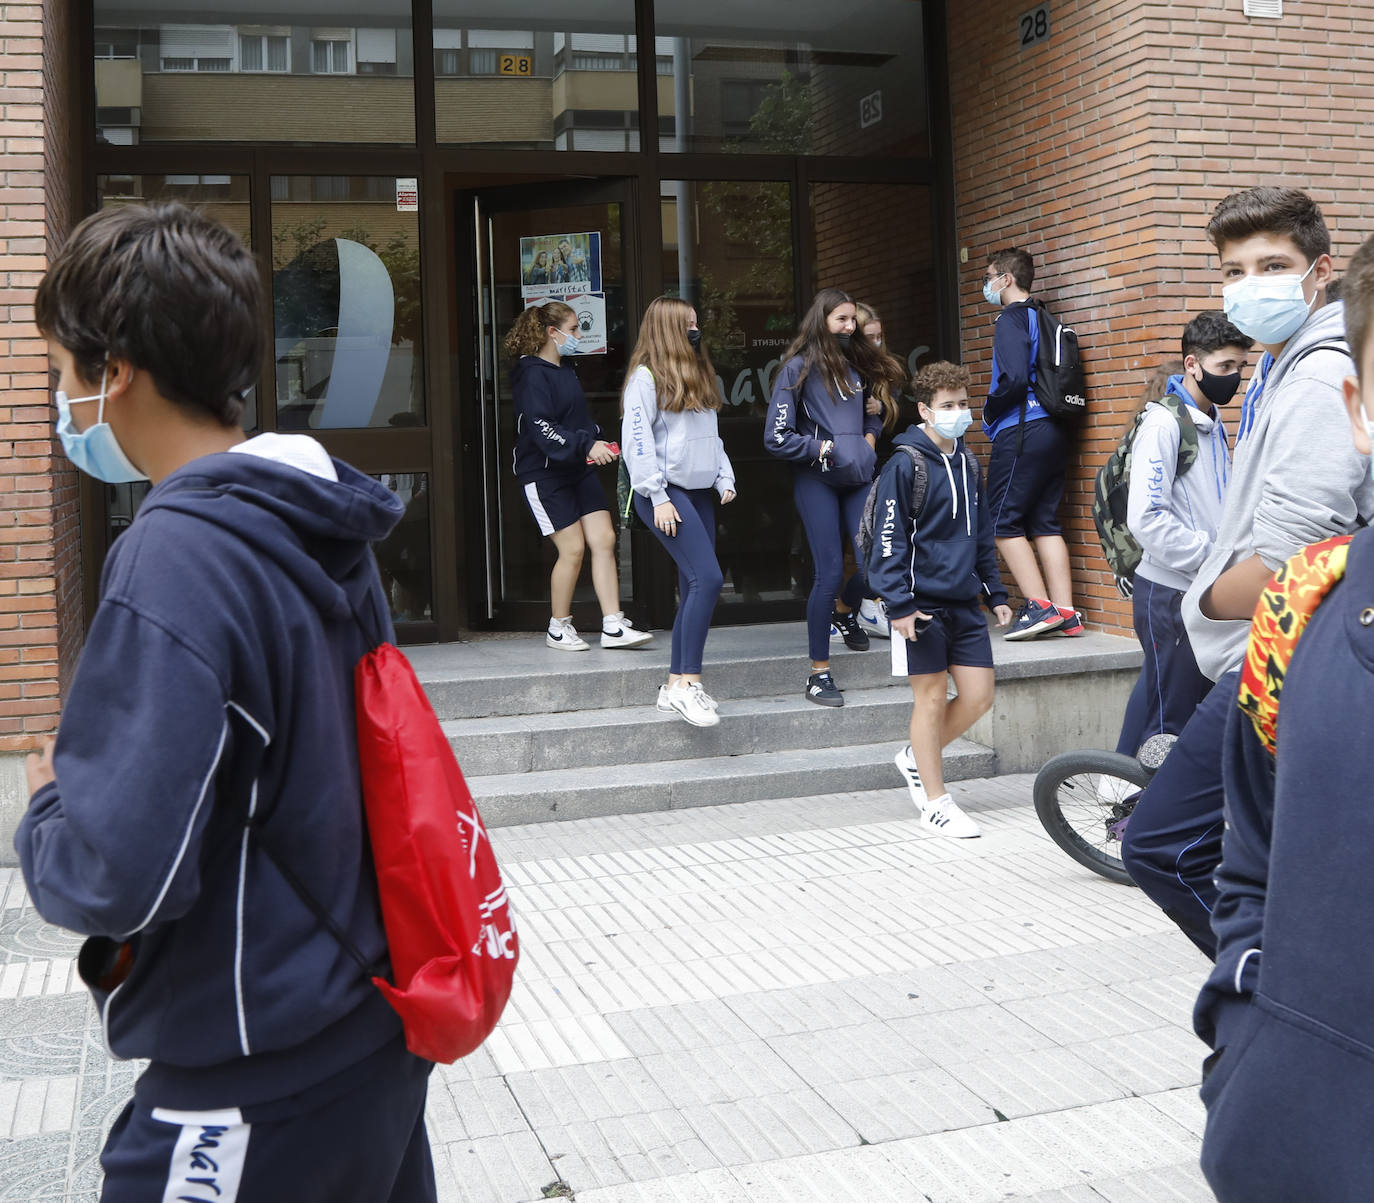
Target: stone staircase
544, 735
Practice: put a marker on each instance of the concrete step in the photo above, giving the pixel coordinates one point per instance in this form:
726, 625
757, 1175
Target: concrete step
641, 734
511, 798
520, 676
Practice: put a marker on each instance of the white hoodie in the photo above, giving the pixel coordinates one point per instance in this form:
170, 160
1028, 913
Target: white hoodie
1175, 518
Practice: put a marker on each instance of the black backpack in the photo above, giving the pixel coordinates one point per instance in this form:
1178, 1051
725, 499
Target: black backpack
863, 541
1057, 374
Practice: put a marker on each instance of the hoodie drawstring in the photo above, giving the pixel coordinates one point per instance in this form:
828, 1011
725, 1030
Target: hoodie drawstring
968, 509
953, 492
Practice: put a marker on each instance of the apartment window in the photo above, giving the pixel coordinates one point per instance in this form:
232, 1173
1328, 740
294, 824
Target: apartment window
376, 52
482, 62
188, 63
329, 57
263, 52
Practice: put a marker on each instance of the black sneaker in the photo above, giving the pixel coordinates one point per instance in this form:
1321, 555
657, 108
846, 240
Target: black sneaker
821, 689
855, 638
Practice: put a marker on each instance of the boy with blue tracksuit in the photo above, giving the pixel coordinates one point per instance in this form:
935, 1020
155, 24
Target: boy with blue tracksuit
1295, 480
935, 569
1030, 453
1174, 519
1289, 1007
212, 709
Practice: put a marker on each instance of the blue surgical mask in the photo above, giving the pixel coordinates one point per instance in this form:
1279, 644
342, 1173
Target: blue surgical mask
569, 344
993, 296
951, 423
1269, 309
95, 450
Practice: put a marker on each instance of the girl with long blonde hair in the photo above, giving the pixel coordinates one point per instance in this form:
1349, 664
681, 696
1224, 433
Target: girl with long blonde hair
557, 449
676, 461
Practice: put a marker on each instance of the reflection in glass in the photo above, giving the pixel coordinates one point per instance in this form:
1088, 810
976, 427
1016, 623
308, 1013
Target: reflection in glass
843, 80
728, 250
404, 557
524, 75
264, 73
345, 304
223, 197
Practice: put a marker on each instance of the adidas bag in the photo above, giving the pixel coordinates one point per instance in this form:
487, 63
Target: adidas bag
1056, 370
863, 541
1112, 491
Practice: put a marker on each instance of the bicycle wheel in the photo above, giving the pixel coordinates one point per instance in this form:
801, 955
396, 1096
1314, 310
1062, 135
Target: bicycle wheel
1082, 799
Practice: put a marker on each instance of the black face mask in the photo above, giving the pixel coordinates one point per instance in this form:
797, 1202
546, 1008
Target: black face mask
1218, 389
694, 337
843, 340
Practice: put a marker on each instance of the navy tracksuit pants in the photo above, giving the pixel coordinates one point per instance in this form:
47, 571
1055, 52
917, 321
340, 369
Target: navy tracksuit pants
699, 579
359, 1136
1170, 685
831, 518
1173, 840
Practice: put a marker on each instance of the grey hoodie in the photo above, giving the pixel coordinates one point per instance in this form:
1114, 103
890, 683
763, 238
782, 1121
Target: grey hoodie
662, 448
1296, 479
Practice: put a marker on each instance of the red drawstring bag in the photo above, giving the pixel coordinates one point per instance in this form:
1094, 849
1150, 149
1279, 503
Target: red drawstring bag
449, 929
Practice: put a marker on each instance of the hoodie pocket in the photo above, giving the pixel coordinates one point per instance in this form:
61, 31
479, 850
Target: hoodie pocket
853, 461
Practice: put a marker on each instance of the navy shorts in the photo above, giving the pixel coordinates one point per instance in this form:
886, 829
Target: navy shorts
957, 635
1024, 490
558, 502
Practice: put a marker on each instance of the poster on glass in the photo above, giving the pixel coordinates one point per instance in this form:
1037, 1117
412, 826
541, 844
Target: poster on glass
567, 268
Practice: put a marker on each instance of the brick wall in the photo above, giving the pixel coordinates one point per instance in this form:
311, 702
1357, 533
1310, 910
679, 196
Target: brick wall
1103, 151
40, 578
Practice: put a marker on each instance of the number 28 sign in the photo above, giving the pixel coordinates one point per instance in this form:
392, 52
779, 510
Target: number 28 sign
1034, 26
515, 64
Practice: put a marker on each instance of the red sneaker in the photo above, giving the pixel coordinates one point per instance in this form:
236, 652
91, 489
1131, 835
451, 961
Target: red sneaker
1072, 625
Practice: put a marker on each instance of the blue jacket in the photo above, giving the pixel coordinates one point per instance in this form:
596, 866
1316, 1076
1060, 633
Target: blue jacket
800, 420
1289, 1006
1015, 338
553, 426
217, 679
946, 554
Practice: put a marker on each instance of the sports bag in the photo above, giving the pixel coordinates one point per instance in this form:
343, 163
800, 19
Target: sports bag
449, 930
863, 541
1112, 491
1056, 370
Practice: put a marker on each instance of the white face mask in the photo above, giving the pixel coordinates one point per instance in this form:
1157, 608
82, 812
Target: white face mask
951, 423
1369, 429
1270, 309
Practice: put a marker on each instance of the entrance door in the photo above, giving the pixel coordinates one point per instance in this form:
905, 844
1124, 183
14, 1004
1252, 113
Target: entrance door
554, 240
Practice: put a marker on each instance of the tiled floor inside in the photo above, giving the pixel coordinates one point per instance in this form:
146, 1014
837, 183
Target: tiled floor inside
790, 1000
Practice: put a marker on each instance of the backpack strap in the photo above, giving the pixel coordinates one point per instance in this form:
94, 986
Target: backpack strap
1187, 432
1287, 603
920, 479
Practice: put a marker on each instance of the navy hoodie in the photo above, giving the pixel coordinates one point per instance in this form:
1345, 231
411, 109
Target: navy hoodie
1015, 337
947, 554
217, 680
800, 420
553, 426
1289, 1006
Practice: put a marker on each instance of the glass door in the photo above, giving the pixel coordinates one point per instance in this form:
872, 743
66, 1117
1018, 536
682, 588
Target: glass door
567, 245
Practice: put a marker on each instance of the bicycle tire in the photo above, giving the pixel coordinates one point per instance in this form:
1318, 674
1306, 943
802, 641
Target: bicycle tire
1072, 780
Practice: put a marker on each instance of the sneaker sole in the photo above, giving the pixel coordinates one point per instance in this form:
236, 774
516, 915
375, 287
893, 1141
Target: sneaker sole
713, 721
627, 643
1040, 628
825, 701
563, 645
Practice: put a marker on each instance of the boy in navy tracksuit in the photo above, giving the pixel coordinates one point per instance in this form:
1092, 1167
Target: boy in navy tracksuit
1289, 1008
1030, 452
215, 688
934, 570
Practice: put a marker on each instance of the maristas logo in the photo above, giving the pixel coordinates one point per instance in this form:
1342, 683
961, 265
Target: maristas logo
889, 526
550, 431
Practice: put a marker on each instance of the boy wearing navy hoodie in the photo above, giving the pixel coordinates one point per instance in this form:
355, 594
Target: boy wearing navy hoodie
1289, 1007
934, 568
214, 700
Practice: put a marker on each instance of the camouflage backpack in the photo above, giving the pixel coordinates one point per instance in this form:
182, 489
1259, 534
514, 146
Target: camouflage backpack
1113, 489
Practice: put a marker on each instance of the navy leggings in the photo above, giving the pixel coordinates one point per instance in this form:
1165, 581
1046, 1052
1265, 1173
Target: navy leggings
1173, 840
831, 518
699, 579
1171, 685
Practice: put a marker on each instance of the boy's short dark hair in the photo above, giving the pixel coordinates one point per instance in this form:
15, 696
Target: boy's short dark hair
1289, 212
1210, 332
930, 379
1357, 291
170, 290
1016, 261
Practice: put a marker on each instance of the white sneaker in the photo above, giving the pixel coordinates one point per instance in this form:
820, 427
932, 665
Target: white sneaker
691, 702
873, 618
619, 631
943, 816
666, 706
564, 637
906, 765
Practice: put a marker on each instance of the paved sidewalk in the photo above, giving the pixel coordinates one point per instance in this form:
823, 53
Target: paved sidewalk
787, 1000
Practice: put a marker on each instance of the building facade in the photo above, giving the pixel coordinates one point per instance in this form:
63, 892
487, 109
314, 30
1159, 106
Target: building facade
413, 172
